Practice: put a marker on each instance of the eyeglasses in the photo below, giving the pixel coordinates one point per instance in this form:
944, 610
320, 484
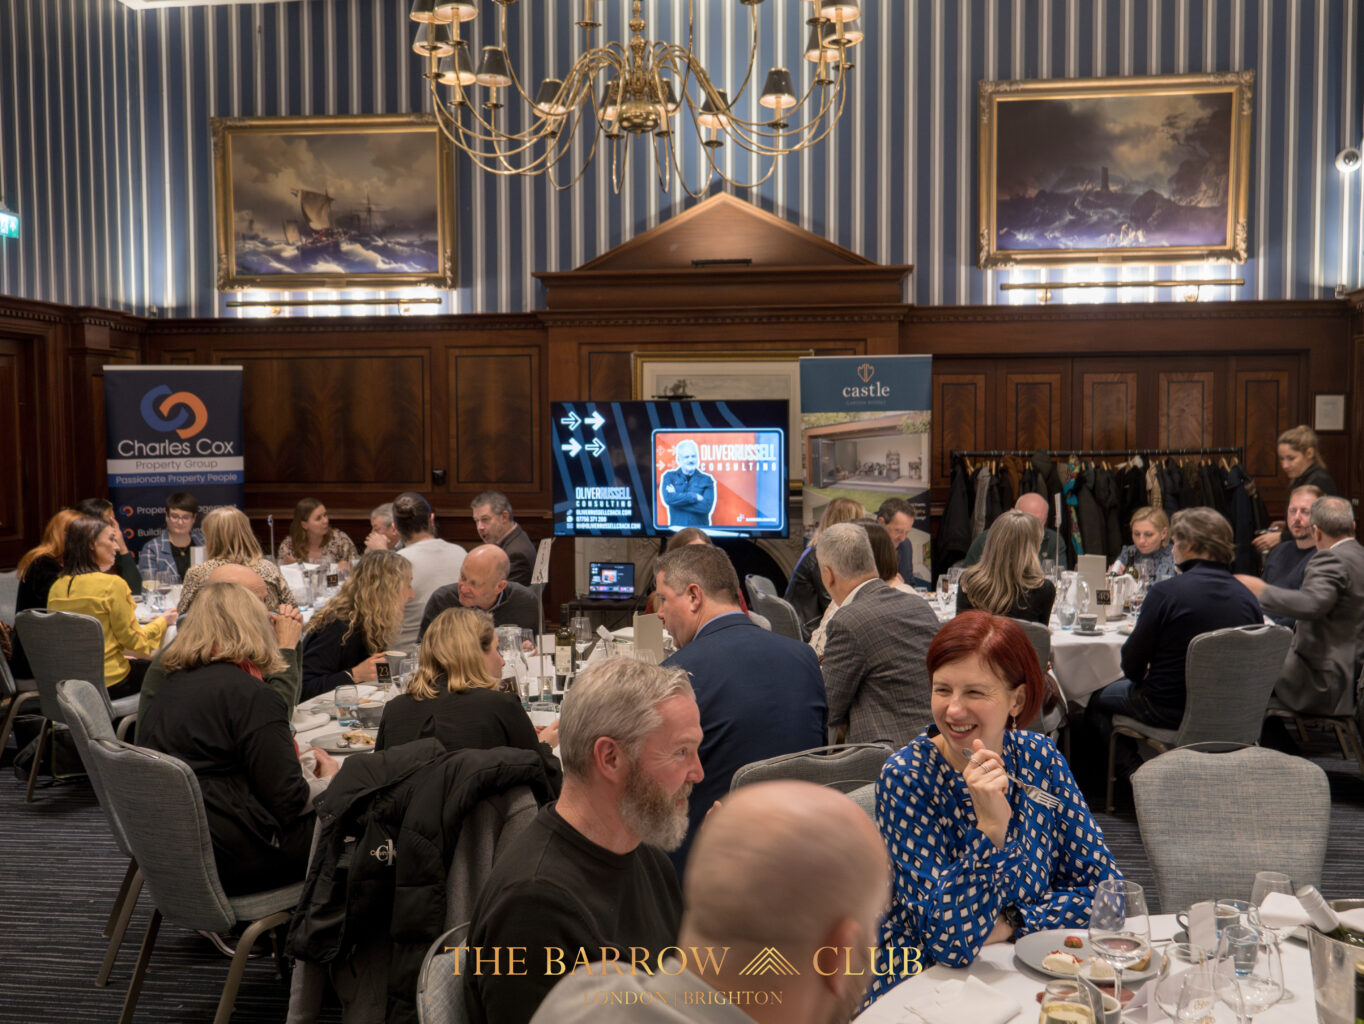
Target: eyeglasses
180, 517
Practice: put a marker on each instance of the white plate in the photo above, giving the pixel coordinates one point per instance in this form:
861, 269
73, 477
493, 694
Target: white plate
1087, 632
332, 743
1032, 949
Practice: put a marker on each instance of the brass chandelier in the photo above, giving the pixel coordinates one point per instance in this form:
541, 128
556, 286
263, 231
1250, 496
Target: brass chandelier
643, 90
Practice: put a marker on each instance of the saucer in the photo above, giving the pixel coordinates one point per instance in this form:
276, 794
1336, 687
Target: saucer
1087, 632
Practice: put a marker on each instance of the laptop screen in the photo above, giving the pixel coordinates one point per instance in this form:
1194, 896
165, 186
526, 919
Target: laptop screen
611, 581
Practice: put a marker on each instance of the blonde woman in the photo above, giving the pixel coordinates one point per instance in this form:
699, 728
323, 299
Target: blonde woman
1149, 555
214, 713
806, 590
1298, 458
228, 540
346, 639
1008, 579
454, 695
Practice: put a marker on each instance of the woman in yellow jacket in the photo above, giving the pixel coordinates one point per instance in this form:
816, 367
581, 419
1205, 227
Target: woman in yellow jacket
86, 586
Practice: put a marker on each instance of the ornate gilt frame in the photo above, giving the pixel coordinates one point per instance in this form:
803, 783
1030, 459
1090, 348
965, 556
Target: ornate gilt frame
992, 94
225, 129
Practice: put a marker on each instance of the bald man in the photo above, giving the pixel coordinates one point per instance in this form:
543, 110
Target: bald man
740, 900
483, 584
1036, 506
288, 623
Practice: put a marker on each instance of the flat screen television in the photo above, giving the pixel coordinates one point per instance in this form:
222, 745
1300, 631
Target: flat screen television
647, 469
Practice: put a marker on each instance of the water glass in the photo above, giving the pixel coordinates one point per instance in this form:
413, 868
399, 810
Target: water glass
1119, 926
347, 699
1267, 882
1249, 969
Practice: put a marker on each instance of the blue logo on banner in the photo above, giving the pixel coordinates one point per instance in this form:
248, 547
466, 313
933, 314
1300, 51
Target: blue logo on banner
190, 405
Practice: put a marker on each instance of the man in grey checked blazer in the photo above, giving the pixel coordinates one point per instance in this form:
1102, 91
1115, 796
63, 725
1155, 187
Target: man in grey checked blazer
1320, 672
875, 645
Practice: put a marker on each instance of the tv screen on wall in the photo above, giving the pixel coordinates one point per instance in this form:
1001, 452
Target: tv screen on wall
647, 469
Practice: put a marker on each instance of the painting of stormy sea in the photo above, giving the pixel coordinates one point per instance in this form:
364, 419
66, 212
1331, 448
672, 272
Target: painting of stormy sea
1113, 172
335, 203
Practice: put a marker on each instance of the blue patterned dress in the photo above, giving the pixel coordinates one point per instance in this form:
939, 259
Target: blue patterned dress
952, 883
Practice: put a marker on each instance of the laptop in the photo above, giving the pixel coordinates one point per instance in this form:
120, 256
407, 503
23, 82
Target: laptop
610, 581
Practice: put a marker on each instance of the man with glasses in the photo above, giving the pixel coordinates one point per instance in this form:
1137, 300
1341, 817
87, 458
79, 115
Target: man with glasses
167, 556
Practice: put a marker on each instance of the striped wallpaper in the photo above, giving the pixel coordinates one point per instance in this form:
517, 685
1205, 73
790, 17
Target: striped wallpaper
106, 156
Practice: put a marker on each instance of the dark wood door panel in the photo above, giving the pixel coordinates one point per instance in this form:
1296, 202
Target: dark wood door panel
320, 418
497, 418
15, 430
1032, 410
959, 402
1186, 409
1265, 402
1108, 414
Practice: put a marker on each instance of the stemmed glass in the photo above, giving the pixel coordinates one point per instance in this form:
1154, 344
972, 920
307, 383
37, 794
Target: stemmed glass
1249, 969
1197, 1002
581, 625
1119, 926
1181, 966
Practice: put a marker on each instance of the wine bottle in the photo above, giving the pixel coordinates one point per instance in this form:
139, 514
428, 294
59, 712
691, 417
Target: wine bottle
1324, 919
563, 654
1359, 992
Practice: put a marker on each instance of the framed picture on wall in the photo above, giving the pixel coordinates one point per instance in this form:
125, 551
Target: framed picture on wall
725, 375
333, 202
1103, 170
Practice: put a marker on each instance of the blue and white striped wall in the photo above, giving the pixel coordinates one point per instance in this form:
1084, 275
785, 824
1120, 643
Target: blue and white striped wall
105, 150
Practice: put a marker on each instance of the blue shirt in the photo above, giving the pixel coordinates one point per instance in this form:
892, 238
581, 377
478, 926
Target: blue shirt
157, 557
952, 882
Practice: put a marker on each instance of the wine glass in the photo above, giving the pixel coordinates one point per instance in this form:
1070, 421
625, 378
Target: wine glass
1181, 961
1065, 1002
1249, 969
1199, 1001
581, 625
149, 597
1119, 926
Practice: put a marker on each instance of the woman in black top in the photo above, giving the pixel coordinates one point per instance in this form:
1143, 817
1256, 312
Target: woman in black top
1008, 579
1300, 462
37, 571
454, 697
350, 634
214, 713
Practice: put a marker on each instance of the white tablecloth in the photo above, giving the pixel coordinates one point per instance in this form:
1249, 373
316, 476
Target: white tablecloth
997, 968
1084, 664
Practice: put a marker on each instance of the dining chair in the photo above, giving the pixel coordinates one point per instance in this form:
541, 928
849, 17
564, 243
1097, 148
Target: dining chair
1345, 727
65, 645
157, 799
440, 986
844, 767
14, 694
9, 595
87, 717
756, 584
762, 620
779, 612
1229, 675
865, 798
1210, 821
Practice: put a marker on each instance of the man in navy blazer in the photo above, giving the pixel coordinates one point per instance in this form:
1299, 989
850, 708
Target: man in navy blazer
760, 694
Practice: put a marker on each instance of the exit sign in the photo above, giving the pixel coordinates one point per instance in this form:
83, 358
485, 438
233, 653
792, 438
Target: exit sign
9, 225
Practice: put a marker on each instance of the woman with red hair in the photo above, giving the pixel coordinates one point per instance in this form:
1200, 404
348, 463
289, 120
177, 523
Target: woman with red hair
976, 860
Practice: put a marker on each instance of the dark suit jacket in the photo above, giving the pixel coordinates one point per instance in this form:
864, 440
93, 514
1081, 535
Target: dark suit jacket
1322, 667
521, 553
760, 695
874, 671
517, 606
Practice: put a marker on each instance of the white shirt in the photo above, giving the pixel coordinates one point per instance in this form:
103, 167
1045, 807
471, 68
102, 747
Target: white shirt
434, 564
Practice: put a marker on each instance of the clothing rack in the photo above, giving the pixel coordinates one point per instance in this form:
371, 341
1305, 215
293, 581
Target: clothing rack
1109, 453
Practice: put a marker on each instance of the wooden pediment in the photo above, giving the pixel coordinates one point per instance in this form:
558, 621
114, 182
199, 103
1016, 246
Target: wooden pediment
724, 252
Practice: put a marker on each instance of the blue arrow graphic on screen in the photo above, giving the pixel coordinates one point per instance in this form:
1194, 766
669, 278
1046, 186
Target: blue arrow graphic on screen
595, 421
571, 421
596, 447
573, 447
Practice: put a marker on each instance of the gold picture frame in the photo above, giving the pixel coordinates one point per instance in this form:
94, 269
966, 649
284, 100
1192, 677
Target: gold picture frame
727, 376
1148, 170
356, 201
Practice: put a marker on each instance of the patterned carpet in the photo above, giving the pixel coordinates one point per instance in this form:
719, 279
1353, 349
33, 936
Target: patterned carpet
62, 870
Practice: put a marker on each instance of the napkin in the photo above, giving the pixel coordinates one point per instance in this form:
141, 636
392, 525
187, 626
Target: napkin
956, 1001
1280, 910
1352, 919
305, 720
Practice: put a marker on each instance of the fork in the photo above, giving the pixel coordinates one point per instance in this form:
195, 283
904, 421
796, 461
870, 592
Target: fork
1035, 793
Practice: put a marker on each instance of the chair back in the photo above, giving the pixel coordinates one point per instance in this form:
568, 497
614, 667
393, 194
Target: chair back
1210, 821
440, 985
484, 833
761, 620
9, 595
778, 612
8, 687
1229, 675
756, 585
1040, 638
843, 767
865, 798
86, 714
62, 645
157, 799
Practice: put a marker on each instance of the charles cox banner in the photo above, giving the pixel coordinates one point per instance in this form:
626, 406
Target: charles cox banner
866, 427
171, 428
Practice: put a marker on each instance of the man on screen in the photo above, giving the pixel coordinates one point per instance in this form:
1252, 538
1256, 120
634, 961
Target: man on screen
688, 492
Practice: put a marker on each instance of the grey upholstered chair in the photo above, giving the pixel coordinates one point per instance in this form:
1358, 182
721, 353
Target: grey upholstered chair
87, 716
756, 585
1040, 638
843, 767
440, 986
9, 595
157, 799
65, 645
1228, 677
1210, 821
778, 612
15, 694
761, 620
865, 798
